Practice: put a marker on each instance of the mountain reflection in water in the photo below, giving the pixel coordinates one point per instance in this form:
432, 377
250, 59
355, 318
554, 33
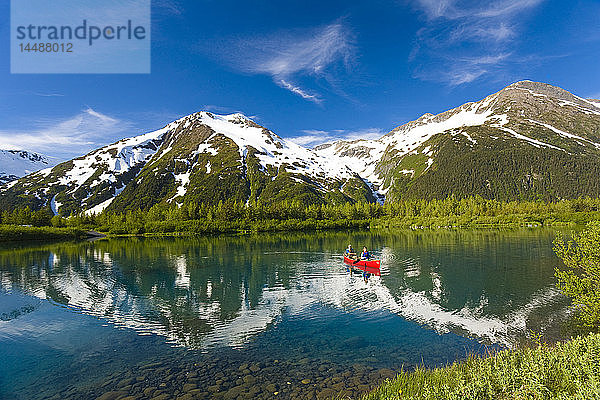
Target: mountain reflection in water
223, 291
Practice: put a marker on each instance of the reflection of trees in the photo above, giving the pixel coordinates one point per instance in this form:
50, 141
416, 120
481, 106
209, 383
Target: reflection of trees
186, 287
504, 267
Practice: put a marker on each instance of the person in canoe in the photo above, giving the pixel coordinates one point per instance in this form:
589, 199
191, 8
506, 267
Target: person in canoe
350, 253
365, 255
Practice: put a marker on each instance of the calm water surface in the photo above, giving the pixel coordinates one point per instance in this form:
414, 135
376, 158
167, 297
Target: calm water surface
248, 317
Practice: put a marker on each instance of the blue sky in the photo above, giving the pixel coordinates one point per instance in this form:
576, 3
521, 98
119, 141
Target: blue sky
309, 70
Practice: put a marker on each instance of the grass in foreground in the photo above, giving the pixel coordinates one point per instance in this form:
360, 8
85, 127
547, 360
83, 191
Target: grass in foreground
10, 233
569, 370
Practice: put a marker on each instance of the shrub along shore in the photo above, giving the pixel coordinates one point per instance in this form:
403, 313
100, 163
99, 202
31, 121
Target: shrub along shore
568, 370
237, 217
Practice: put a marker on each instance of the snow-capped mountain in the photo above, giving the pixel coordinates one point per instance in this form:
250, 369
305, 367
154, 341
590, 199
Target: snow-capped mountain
367, 157
530, 140
15, 164
438, 155
203, 156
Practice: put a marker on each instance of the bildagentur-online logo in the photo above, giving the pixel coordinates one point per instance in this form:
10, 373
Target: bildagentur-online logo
80, 36
89, 33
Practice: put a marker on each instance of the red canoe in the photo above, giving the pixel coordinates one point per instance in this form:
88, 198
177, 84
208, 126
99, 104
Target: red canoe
371, 266
363, 263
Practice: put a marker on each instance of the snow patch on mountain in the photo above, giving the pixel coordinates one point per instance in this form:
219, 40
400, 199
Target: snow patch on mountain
206, 148
97, 209
469, 138
116, 159
566, 134
272, 149
594, 109
363, 155
533, 142
183, 181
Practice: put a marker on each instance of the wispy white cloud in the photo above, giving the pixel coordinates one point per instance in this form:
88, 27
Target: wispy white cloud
480, 32
69, 137
299, 91
486, 59
434, 9
468, 69
49, 94
316, 54
315, 137
457, 9
507, 7
463, 40
458, 76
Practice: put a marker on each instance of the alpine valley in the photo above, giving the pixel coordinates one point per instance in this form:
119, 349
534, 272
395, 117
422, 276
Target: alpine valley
528, 141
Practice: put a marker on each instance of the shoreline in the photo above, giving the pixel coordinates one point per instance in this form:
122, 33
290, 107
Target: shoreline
14, 233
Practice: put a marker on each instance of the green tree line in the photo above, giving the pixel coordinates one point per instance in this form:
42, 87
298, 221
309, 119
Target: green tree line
233, 216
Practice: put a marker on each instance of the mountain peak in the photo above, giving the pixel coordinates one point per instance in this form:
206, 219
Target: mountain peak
209, 118
542, 89
538, 91
237, 117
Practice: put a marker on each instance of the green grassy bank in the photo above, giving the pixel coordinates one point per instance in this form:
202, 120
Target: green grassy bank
11, 233
568, 370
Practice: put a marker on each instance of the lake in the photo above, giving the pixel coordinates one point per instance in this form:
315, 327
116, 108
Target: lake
263, 316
